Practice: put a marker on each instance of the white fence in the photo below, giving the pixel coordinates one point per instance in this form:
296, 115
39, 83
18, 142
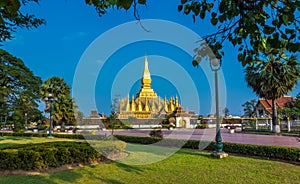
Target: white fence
266, 124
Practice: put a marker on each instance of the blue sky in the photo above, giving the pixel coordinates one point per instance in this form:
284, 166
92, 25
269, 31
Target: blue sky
56, 49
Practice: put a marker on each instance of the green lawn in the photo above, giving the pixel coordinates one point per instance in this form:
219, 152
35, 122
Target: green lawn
6, 141
185, 166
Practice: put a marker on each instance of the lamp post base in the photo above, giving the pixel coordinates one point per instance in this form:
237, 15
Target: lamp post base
219, 154
50, 136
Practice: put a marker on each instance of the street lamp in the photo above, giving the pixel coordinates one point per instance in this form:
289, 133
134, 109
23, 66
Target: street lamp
50, 99
215, 66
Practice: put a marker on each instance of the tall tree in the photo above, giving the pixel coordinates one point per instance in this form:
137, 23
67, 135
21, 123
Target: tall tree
246, 24
272, 77
114, 112
291, 109
249, 108
63, 108
226, 111
13, 17
19, 88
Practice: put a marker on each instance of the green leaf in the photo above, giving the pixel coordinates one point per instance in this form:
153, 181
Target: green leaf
187, 9
268, 30
285, 19
289, 31
292, 36
241, 57
195, 63
284, 36
142, 1
180, 8
89, 2
183, 1
213, 14
214, 21
275, 23
222, 18
210, 6
126, 4
202, 14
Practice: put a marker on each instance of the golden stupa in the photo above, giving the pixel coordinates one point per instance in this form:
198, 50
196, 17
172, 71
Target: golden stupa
146, 103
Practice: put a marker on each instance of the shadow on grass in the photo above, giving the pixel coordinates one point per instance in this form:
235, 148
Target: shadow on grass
154, 149
8, 145
37, 179
205, 154
128, 168
67, 176
14, 138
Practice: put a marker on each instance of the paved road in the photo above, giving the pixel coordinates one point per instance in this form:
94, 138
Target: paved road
209, 134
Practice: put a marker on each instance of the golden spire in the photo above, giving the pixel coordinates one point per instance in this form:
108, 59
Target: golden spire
176, 102
147, 106
127, 104
146, 90
146, 81
166, 105
132, 104
140, 108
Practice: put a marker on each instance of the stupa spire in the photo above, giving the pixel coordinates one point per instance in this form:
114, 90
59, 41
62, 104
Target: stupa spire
146, 90
146, 80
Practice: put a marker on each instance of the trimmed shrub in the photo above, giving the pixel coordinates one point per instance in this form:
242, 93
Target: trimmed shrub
274, 152
202, 126
54, 154
156, 133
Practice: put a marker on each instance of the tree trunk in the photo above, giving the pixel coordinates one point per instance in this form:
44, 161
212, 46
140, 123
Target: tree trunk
276, 127
62, 128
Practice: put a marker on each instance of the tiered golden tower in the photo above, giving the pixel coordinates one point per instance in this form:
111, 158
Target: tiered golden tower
146, 104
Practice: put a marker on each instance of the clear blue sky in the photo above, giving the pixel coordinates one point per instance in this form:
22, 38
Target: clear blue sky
56, 48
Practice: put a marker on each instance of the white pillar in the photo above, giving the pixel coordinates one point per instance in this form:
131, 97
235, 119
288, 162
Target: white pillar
256, 124
288, 124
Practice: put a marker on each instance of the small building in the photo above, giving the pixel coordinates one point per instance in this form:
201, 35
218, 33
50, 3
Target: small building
94, 119
183, 118
263, 107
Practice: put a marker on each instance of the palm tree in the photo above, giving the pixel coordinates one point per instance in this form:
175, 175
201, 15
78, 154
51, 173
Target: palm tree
272, 78
63, 108
249, 108
56, 86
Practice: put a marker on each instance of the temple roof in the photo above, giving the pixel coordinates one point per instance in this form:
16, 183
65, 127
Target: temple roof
280, 102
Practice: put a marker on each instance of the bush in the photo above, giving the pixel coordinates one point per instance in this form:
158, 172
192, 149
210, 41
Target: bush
156, 133
54, 154
274, 152
138, 140
202, 126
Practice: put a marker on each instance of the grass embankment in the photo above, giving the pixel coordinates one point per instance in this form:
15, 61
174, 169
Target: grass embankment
185, 166
7, 141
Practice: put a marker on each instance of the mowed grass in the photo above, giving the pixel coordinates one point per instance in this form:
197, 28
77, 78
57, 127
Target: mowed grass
7, 141
151, 164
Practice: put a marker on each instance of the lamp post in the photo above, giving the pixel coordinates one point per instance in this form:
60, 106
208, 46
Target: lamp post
50, 99
215, 66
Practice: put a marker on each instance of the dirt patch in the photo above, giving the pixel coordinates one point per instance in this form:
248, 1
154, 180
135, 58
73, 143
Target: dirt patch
117, 156
109, 158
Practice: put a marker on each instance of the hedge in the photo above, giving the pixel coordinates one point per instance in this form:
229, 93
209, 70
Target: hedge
274, 152
54, 154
